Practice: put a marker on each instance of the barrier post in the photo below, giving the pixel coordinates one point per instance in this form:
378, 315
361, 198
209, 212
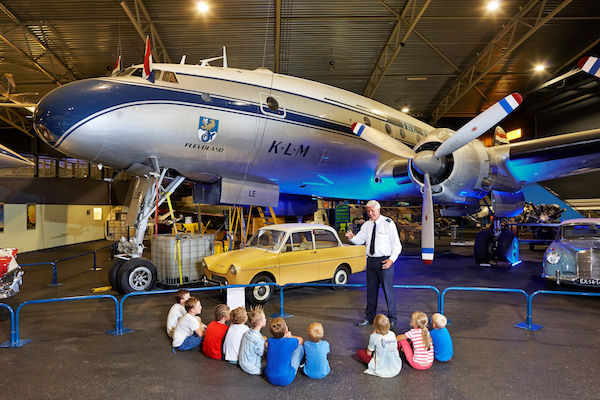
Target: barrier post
54, 275
13, 342
439, 306
282, 313
95, 267
528, 324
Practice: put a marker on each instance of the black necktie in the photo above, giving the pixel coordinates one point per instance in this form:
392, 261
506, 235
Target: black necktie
372, 248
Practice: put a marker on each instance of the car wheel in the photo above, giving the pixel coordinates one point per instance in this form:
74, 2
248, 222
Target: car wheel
481, 250
340, 277
113, 273
508, 247
260, 294
136, 275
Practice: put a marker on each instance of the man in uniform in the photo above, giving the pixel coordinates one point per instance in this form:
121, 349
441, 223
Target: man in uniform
380, 236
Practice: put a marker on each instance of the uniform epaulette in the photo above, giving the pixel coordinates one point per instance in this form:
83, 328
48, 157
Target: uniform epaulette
388, 220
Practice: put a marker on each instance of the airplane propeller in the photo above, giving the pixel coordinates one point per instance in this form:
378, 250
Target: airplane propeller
431, 163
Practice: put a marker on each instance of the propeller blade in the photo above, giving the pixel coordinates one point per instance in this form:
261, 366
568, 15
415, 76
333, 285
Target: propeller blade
427, 224
591, 65
478, 125
382, 140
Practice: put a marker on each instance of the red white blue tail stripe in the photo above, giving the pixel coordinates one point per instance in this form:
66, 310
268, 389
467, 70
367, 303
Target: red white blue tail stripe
117, 67
148, 70
591, 65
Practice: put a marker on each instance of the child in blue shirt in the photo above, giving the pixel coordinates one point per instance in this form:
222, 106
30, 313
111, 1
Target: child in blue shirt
442, 343
284, 355
316, 365
252, 346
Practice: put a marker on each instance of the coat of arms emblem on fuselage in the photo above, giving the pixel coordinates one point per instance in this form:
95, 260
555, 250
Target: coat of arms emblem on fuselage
207, 129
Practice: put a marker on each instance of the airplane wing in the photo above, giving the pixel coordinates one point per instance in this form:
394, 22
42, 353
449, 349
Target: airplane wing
551, 157
11, 159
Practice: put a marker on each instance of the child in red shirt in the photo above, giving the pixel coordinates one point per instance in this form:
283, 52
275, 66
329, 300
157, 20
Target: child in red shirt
212, 346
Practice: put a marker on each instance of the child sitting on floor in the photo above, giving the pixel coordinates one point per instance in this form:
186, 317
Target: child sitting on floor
252, 346
442, 342
420, 355
215, 333
177, 310
381, 354
284, 355
316, 365
188, 333
233, 338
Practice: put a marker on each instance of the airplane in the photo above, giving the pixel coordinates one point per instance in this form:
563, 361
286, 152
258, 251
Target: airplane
245, 137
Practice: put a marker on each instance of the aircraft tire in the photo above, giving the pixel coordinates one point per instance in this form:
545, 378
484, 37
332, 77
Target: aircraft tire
481, 250
136, 275
113, 274
340, 276
508, 247
260, 294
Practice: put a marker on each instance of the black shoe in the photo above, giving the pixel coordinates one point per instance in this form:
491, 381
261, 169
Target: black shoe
392, 324
364, 322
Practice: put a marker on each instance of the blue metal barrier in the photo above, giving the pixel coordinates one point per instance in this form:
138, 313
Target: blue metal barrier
533, 327
479, 289
120, 330
21, 342
439, 299
13, 333
55, 262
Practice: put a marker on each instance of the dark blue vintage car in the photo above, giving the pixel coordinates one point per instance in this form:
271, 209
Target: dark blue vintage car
574, 256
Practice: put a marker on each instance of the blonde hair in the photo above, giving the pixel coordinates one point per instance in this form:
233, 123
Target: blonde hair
277, 327
381, 324
255, 314
221, 311
419, 320
190, 303
239, 315
439, 320
315, 332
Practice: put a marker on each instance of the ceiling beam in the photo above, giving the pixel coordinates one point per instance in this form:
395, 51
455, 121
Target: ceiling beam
16, 120
41, 43
159, 51
504, 43
393, 44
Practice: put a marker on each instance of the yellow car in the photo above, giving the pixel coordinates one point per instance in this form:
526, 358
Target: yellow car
285, 253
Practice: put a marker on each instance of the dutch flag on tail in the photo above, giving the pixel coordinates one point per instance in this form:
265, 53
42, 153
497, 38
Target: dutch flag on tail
117, 68
591, 65
148, 70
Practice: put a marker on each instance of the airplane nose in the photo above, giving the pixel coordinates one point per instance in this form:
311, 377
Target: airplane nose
64, 108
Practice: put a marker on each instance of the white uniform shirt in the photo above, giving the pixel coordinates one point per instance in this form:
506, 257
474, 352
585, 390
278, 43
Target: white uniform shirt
387, 242
177, 311
187, 325
233, 340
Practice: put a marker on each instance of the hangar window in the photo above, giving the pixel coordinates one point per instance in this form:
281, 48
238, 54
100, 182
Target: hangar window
169, 76
388, 129
325, 239
272, 104
367, 121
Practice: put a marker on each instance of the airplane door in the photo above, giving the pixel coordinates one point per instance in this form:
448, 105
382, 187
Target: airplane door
298, 259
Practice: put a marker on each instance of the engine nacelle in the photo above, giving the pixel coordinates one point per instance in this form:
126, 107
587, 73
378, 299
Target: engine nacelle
507, 204
459, 181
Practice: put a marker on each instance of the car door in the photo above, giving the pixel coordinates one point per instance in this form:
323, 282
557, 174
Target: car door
298, 259
329, 251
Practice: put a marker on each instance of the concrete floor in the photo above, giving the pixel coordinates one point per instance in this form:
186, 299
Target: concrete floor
71, 356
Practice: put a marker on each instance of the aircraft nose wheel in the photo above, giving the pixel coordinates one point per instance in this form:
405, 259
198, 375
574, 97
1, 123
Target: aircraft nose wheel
136, 275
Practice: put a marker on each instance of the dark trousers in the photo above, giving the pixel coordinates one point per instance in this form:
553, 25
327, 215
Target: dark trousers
376, 277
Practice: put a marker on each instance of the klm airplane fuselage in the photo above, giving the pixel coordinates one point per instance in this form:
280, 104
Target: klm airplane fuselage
208, 123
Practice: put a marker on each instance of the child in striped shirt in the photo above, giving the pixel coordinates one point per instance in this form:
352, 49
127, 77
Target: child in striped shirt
420, 354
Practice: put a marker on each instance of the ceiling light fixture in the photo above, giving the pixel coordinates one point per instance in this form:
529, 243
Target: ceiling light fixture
539, 68
493, 5
202, 6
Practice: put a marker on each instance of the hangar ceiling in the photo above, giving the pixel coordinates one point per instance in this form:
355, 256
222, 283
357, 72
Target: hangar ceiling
443, 59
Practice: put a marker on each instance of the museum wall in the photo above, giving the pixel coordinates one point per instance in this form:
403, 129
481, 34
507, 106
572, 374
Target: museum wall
52, 225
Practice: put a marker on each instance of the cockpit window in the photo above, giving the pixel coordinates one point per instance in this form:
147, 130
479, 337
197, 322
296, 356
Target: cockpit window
126, 72
169, 77
137, 72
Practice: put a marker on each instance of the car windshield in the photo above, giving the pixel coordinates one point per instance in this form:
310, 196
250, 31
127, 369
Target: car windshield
582, 231
267, 239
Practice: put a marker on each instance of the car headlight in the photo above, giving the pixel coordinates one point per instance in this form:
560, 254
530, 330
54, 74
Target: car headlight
233, 269
553, 257
203, 264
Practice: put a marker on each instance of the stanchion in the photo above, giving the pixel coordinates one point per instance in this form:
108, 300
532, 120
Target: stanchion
14, 341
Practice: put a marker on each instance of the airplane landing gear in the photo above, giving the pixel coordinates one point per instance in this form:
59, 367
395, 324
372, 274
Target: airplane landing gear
130, 271
496, 245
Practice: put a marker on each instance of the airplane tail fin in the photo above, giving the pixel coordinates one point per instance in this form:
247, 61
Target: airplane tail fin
117, 68
148, 71
591, 65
